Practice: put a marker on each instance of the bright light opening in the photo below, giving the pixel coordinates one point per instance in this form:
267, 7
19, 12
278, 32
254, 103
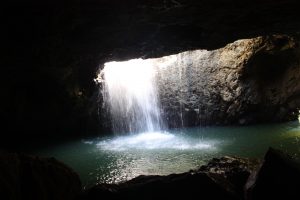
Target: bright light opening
130, 91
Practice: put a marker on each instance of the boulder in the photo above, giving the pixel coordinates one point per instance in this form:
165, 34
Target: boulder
278, 177
36, 178
220, 179
248, 81
234, 170
175, 186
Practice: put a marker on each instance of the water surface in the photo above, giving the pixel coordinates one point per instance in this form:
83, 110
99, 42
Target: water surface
119, 158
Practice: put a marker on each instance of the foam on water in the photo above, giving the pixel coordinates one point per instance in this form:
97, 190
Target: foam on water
153, 140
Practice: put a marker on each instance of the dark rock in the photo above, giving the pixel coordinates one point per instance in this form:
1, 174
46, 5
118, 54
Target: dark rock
175, 186
248, 81
30, 177
277, 178
221, 178
235, 170
53, 49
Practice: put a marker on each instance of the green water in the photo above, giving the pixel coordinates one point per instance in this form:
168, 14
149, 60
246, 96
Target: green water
114, 159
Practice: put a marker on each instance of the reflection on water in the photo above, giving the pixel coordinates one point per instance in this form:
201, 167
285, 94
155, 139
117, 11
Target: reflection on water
114, 159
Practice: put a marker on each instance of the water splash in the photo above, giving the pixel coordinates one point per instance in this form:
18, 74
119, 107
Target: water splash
130, 92
152, 141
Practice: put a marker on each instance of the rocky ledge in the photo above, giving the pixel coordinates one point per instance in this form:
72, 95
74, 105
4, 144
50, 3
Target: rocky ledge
220, 179
228, 178
225, 178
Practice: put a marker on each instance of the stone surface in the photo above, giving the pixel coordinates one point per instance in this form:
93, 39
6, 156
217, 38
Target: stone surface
248, 81
232, 178
233, 169
277, 178
220, 179
35, 178
169, 187
53, 49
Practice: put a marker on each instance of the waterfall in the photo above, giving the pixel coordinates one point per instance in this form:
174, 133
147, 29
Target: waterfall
130, 92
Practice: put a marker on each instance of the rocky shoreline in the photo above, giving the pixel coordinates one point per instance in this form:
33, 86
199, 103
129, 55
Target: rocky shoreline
232, 178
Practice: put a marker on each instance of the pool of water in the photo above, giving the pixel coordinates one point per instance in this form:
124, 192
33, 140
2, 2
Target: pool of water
114, 159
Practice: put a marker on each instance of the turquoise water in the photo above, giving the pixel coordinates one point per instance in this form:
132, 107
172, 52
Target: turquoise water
118, 158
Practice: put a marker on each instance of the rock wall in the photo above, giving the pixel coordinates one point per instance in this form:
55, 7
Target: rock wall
248, 81
53, 49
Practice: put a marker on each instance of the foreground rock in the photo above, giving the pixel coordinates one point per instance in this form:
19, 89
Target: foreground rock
277, 178
181, 186
233, 169
220, 179
226, 178
34, 178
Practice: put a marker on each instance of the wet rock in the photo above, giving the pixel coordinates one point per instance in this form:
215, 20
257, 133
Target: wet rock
248, 81
234, 170
222, 178
35, 178
175, 186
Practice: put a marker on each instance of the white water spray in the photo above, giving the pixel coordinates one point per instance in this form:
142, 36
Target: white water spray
130, 91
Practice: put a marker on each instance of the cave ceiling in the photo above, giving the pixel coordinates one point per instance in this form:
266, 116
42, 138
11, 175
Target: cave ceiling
116, 29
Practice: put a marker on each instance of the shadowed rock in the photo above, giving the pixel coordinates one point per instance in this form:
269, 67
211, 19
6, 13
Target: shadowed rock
221, 179
53, 50
277, 178
30, 177
235, 170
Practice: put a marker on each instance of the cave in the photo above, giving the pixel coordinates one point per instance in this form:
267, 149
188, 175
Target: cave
150, 99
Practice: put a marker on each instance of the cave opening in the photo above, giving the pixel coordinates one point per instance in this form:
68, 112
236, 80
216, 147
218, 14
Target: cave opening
172, 99
168, 114
174, 113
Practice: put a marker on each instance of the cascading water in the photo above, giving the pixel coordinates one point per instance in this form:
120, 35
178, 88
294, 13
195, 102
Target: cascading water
130, 91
